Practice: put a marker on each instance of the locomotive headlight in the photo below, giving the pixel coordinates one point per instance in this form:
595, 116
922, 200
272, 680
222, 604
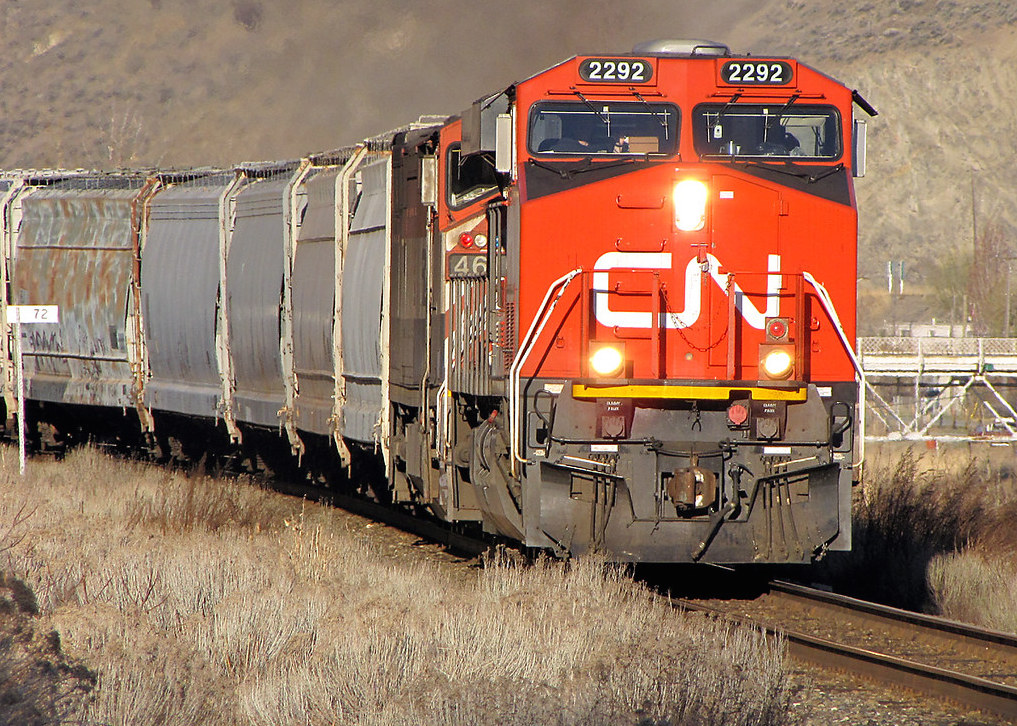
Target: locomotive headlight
776, 361
607, 359
690, 205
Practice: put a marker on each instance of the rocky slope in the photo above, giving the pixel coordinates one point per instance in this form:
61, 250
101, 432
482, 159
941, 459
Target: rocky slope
207, 81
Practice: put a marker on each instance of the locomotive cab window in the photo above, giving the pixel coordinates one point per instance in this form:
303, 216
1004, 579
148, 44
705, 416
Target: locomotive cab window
470, 178
603, 128
790, 132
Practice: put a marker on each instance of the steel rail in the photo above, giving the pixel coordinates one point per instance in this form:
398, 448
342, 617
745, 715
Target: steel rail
970, 691
964, 633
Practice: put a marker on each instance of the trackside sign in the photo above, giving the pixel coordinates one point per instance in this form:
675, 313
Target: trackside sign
33, 314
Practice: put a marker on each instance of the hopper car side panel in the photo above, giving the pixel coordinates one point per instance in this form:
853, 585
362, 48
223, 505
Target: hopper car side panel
314, 302
254, 279
364, 280
77, 249
180, 289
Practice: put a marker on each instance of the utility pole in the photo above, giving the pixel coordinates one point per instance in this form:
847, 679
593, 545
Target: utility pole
974, 215
1006, 313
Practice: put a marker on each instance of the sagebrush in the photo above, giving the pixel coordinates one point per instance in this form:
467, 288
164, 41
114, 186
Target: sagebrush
917, 518
198, 600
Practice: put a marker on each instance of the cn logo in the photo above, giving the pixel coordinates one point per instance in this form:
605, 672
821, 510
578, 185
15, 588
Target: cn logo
693, 290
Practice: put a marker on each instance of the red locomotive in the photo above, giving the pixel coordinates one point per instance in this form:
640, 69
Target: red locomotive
612, 306
658, 373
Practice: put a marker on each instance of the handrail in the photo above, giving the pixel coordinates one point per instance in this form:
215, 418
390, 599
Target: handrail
525, 347
831, 310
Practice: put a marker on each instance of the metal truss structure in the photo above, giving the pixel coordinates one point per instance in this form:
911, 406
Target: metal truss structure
960, 389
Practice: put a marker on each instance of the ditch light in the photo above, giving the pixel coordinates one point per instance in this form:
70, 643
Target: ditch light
776, 361
607, 360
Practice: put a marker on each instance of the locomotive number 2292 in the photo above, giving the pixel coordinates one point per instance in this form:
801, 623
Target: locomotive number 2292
615, 70
770, 73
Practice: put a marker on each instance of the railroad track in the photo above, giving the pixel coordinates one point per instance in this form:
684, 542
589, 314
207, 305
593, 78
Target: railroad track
973, 666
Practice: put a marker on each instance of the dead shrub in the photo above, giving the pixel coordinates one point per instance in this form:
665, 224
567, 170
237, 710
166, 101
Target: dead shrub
145, 675
905, 515
552, 644
209, 601
248, 13
186, 504
976, 587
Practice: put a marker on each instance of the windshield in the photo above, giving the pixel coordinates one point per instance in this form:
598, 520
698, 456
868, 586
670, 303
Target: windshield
745, 130
603, 128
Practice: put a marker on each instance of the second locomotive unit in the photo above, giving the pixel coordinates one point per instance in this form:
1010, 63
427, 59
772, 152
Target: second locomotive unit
609, 307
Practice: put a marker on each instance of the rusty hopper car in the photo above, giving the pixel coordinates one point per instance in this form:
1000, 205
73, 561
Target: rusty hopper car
611, 306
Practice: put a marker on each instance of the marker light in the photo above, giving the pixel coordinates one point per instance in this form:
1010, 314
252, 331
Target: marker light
776, 329
737, 413
607, 360
690, 205
466, 239
480, 240
778, 362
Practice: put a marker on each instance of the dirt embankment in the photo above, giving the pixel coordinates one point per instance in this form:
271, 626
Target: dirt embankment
39, 684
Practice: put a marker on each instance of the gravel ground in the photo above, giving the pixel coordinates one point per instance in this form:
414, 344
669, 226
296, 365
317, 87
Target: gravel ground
825, 697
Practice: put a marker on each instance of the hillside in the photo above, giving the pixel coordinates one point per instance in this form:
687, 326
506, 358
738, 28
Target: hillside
189, 83
145, 82
943, 75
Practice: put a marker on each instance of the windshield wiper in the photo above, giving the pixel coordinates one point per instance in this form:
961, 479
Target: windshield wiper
832, 170
778, 169
590, 106
786, 106
809, 178
659, 116
727, 106
771, 118
588, 165
592, 166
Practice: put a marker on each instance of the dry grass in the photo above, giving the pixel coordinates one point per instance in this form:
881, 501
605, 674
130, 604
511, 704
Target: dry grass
975, 586
201, 601
933, 531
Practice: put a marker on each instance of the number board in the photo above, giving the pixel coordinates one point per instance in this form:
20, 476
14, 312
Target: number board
756, 73
616, 70
33, 314
467, 265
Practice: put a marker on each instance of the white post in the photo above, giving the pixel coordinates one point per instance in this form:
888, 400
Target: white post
20, 365
18, 314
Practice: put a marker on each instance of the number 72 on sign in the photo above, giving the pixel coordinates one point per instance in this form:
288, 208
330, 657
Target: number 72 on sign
33, 314
16, 315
